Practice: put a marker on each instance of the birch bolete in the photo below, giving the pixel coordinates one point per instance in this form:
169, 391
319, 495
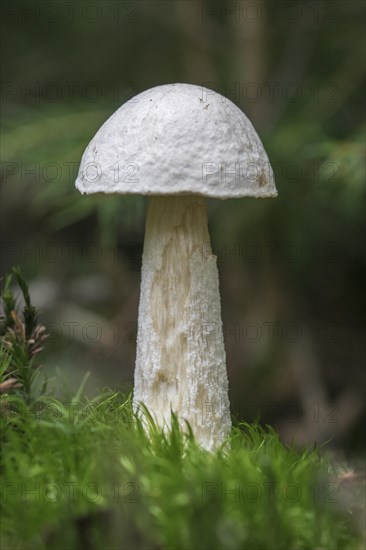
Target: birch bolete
179, 143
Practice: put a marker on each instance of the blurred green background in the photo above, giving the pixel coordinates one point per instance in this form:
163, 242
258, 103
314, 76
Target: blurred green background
291, 270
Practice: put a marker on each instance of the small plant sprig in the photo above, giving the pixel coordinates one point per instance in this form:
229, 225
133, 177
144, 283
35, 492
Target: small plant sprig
22, 339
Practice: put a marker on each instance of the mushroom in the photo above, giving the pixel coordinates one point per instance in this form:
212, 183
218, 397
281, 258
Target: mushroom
179, 143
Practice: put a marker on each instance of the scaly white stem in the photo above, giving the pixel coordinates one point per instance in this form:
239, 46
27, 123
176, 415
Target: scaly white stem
180, 362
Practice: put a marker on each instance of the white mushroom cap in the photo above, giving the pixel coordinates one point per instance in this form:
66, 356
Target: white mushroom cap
174, 139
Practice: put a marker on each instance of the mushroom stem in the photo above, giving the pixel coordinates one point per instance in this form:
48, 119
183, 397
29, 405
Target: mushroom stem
180, 362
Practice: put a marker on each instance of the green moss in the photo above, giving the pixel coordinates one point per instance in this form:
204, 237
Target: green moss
85, 474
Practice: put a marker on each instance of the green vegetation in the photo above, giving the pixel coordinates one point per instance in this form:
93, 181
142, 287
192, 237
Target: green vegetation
84, 473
